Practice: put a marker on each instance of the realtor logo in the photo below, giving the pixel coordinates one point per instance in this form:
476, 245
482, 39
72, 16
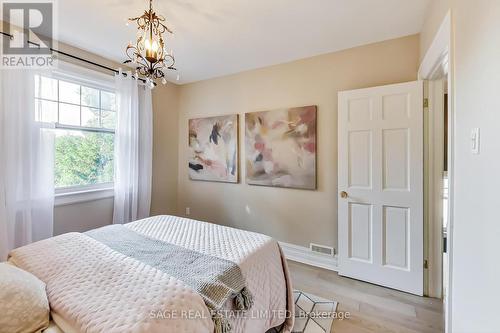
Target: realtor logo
28, 30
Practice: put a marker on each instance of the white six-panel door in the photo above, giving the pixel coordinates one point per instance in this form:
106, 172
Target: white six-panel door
381, 185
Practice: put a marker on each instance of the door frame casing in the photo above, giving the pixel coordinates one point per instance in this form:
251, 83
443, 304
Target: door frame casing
439, 60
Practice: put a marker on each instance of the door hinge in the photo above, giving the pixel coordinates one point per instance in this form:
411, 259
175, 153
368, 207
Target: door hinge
426, 264
426, 102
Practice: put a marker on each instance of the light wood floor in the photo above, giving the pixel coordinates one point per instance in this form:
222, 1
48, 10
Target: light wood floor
372, 308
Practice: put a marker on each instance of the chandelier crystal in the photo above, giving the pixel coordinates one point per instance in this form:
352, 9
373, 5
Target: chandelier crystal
149, 54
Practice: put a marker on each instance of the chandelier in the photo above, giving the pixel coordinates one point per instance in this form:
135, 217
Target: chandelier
149, 54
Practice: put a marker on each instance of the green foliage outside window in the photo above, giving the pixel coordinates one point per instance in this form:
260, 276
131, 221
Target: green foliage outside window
83, 158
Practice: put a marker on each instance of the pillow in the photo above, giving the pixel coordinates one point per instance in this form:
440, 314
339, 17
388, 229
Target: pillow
23, 302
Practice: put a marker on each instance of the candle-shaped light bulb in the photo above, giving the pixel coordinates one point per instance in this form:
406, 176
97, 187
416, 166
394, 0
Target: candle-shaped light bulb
147, 44
154, 46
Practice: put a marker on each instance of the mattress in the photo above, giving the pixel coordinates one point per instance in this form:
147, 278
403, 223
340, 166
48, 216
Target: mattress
92, 288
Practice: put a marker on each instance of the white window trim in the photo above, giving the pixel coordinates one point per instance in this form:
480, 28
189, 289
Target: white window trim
83, 76
76, 194
90, 78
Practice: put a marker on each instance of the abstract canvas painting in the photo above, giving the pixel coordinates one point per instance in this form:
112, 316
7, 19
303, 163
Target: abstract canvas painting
280, 147
213, 149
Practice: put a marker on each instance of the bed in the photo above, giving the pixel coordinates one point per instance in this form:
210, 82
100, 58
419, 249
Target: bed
95, 284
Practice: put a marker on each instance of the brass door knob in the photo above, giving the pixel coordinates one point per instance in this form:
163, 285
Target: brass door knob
344, 195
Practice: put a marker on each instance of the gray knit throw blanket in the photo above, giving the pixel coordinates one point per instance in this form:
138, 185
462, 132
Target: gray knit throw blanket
215, 279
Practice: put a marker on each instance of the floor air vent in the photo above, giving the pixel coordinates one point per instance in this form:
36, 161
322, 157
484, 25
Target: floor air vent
322, 249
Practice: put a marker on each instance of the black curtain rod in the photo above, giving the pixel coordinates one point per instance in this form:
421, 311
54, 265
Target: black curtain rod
77, 58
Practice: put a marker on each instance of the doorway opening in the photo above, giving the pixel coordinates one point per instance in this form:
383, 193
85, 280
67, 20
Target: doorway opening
445, 200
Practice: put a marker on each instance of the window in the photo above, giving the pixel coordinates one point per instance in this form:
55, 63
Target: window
85, 117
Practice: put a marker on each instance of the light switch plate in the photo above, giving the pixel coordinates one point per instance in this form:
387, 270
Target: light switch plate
475, 140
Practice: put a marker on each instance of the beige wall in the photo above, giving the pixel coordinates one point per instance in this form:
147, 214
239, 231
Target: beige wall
294, 216
434, 17
165, 149
83, 216
476, 227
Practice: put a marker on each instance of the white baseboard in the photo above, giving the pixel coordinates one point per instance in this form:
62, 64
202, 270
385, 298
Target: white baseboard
306, 256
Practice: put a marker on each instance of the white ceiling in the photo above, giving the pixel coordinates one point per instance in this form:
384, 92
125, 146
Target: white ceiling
219, 37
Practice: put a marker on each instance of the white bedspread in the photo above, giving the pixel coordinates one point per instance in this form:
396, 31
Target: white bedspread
96, 289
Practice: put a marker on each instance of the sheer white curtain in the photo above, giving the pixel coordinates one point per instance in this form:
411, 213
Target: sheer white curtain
26, 165
133, 150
